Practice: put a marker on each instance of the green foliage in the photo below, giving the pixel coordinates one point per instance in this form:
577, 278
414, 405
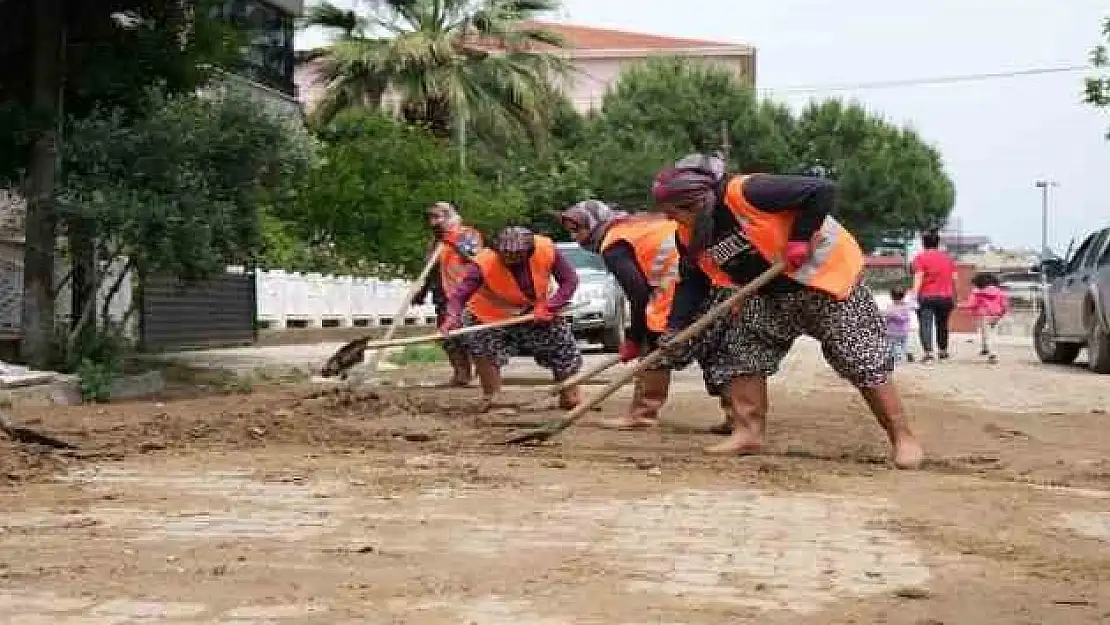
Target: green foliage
179, 191
891, 182
437, 57
365, 202
95, 381
664, 108
1096, 88
418, 354
110, 63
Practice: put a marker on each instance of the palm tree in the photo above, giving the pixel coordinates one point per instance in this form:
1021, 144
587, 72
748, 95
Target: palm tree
442, 62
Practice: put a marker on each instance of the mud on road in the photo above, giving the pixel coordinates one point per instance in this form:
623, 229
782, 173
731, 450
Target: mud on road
301, 505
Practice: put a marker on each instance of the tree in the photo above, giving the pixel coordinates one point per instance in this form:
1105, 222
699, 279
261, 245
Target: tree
447, 61
61, 59
365, 202
1096, 89
176, 192
665, 108
892, 183
551, 176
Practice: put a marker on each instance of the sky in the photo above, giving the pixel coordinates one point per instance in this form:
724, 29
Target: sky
997, 136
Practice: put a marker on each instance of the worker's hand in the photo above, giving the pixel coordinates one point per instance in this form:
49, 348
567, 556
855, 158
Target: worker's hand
797, 253
630, 350
543, 314
449, 323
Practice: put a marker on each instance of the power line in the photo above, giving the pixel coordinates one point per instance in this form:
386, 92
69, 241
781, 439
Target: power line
935, 80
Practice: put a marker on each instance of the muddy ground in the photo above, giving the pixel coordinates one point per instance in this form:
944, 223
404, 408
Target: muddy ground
293, 504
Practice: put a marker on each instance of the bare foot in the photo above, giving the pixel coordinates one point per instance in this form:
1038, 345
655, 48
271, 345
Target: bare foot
908, 453
740, 443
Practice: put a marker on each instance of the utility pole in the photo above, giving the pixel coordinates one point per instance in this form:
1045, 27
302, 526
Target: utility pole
1044, 185
726, 143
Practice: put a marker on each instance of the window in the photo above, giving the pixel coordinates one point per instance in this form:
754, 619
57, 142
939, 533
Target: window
268, 34
1076, 260
1104, 260
582, 259
1091, 257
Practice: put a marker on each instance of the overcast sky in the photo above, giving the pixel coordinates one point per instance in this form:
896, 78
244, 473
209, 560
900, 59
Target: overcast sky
997, 136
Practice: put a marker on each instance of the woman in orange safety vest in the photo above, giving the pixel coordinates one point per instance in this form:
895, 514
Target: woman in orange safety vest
733, 227
642, 254
524, 272
461, 244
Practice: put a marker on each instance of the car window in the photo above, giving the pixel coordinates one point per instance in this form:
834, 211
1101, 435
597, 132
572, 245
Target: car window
1076, 260
582, 259
1104, 260
1090, 259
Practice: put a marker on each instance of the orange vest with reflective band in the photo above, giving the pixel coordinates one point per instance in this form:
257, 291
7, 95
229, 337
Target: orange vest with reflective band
453, 265
716, 275
834, 266
499, 296
653, 241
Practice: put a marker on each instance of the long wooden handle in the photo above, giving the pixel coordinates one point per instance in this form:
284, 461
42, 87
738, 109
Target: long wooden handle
431, 338
582, 376
691, 331
399, 316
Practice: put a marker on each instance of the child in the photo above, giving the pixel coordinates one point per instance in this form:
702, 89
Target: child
988, 303
898, 325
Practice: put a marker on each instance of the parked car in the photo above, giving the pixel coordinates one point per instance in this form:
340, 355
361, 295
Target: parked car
601, 313
1075, 306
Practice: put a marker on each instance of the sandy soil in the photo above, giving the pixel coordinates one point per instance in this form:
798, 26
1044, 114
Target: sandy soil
303, 505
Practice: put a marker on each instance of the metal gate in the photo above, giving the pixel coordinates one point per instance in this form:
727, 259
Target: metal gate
215, 312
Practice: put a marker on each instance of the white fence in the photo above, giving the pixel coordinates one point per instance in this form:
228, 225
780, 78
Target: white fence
289, 300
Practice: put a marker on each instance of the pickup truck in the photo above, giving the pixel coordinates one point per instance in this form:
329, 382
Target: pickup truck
1075, 305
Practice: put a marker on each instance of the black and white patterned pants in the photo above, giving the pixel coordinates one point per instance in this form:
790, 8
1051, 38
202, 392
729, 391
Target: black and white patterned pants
551, 345
453, 345
851, 333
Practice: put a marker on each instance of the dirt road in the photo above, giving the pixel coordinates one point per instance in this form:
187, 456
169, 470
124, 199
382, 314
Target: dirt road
293, 505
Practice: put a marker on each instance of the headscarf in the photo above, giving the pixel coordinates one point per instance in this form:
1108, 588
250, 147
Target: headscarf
692, 182
515, 240
595, 217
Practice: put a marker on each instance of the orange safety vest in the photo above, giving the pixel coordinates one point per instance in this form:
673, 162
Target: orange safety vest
653, 241
499, 296
834, 266
453, 265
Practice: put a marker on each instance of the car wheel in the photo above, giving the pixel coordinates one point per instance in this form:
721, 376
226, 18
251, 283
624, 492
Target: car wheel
1098, 346
1048, 349
612, 338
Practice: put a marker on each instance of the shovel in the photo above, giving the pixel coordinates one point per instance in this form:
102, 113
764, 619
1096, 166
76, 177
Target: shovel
552, 428
352, 353
583, 376
21, 434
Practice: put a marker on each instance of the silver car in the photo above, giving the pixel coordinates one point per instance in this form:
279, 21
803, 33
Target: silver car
601, 310
1075, 309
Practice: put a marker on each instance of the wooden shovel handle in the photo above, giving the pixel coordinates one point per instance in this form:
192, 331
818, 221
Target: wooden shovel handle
582, 376
688, 333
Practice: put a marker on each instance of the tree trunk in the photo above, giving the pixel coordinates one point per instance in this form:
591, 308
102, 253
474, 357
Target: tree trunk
41, 221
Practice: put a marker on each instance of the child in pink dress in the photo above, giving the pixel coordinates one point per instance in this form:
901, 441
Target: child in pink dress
988, 303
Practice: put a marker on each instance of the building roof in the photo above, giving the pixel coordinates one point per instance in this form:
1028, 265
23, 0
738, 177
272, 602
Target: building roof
593, 38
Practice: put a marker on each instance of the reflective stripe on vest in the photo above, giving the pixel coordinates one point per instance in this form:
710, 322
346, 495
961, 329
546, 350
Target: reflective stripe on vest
717, 276
453, 266
837, 260
653, 241
499, 296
